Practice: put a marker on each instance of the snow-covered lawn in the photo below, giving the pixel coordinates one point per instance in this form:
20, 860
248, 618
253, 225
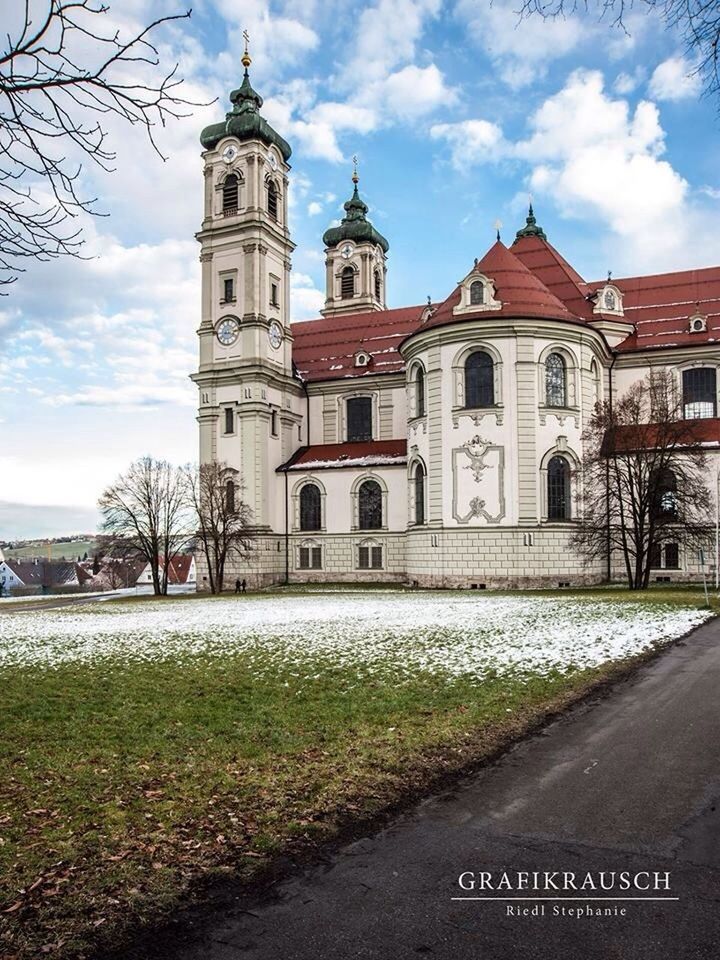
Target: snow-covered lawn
368, 632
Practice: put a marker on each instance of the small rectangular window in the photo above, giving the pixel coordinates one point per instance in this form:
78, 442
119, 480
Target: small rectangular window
316, 558
228, 290
376, 557
364, 558
274, 296
304, 558
229, 420
273, 423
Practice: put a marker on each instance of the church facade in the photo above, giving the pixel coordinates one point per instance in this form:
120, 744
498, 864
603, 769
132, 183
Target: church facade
435, 444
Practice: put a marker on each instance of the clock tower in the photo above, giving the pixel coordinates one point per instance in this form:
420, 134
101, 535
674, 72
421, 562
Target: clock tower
250, 403
355, 261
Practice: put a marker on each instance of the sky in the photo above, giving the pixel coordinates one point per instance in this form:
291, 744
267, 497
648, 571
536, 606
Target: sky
457, 112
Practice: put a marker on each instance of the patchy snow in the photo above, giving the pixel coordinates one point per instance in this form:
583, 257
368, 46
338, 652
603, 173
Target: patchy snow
372, 460
363, 632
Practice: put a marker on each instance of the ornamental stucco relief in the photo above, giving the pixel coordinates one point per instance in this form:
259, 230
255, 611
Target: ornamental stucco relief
478, 463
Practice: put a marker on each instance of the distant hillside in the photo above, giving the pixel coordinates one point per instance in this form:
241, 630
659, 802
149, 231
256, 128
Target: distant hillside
69, 549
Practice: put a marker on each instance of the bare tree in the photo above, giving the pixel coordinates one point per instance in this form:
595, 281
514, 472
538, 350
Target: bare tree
643, 479
63, 68
698, 23
222, 516
147, 510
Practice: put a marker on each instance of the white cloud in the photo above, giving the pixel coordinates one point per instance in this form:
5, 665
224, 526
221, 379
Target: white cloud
675, 79
314, 208
471, 141
415, 91
626, 83
521, 47
306, 300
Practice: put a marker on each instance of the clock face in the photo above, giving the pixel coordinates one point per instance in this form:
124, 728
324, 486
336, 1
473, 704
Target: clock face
228, 331
275, 334
346, 251
272, 161
229, 153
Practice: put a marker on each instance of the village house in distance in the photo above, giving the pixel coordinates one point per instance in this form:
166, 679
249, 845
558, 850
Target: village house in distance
435, 443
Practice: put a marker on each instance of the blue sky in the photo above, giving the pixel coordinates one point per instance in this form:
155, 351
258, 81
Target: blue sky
457, 113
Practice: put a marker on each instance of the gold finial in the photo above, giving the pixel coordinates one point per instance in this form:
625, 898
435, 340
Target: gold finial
355, 177
246, 59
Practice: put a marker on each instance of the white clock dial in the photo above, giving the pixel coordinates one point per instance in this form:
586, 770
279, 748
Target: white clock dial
272, 161
275, 334
229, 153
228, 331
346, 251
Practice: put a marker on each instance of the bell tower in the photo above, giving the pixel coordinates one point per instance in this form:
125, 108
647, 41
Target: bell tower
355, 261
249, 400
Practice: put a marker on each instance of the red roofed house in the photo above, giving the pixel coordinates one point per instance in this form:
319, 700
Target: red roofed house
433, 443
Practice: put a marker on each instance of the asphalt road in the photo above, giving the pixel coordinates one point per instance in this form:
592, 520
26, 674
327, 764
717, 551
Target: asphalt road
627, 781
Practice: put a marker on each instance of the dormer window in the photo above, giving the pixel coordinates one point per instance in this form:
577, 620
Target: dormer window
609, 300
698, 324
362, 359
477, 292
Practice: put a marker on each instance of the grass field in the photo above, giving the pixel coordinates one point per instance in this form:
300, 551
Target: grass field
147, 744
70, 550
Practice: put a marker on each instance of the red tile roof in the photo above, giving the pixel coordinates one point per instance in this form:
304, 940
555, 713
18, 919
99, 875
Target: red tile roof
332, 455
661, 305
532, 280
520, 291
556, 273
325, 349
688, 433
179, 569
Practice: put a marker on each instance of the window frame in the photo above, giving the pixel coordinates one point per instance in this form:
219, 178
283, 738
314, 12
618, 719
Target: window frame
370, 425
558, 457
273, 200
318, 506
488, 369
692, 373
374, 512
229, 420
555, 382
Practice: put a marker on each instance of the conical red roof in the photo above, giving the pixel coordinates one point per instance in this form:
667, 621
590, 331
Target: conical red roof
521, 293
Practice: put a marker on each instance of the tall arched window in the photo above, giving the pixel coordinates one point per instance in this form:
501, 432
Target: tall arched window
558, 489
420, 392
370, 505
272, 200
419, 480
555, 381
378, 286
230, 496
347, 283
699, 393
479, 380
665, 506
310, 507
477, 292
230, 193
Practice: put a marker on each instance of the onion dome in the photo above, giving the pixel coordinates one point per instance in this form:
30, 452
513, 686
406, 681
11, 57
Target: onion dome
244, 120
354, 225
531, 228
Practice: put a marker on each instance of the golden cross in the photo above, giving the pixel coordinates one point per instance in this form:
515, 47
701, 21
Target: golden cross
246, 38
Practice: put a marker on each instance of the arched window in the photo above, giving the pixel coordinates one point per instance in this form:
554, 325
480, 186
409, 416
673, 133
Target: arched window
272, 200
558, 489
420, 392
555, 381
370, 505
310, 507
378, 286
479, 380
664, 495
347, 283
230, 496
419, 480
230, 193
477, 292
699, 392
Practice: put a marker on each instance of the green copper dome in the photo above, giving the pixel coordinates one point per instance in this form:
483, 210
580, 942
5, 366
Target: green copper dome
355, 226
531, 229
244, 122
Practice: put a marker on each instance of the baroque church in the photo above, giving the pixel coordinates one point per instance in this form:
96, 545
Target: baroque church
434, 444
